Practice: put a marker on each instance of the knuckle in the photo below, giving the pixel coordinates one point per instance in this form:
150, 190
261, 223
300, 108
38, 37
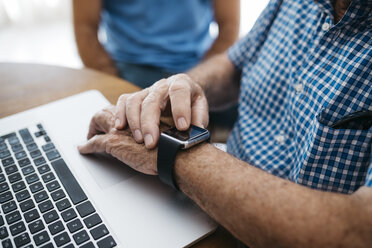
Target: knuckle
122, 98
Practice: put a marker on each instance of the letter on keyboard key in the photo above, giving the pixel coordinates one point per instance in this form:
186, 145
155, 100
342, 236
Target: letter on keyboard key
48, 177
50, 216
31, 215
62, 239
24, 162
4, 187
107, 242
56, 227
99, 232
41, 238
3, 232
13, 217
22, 239
7, 243
17, 228
18, 186
36, 226
32, 178
45, 206
6, 196
36, 187
23, 195
41, 196
27, 205
69, 214
57, 195
81, 237
7, 161
15, 177
74, 225
9, 207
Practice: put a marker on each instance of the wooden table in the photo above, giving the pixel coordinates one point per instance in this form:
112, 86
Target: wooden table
24, 86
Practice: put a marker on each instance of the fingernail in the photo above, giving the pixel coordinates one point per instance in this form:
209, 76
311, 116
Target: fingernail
137, 135
148, 139
182, 123
117, 123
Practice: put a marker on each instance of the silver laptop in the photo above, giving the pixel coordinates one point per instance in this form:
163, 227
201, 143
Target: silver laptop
52, 196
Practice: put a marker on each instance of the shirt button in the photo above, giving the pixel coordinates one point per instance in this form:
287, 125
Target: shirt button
279, 138
326, 26
299, 88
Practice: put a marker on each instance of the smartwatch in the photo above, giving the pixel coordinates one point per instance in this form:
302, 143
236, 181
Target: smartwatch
170, 142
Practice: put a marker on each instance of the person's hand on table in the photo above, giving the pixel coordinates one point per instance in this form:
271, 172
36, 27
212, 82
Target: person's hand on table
104, 137
142, 110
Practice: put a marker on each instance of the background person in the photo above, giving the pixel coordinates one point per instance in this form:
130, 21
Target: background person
150, 40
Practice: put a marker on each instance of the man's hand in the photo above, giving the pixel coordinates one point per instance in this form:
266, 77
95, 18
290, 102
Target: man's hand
103, 137
142, 110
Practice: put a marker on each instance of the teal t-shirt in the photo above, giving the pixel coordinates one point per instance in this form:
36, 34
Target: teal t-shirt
169, 34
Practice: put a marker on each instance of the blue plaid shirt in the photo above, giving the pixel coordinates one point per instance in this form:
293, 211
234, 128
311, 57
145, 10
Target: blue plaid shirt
300, 74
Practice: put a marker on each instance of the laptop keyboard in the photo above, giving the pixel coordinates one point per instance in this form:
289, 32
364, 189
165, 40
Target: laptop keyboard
42, 204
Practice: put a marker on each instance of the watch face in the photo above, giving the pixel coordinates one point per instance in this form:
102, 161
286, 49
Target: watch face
189, 134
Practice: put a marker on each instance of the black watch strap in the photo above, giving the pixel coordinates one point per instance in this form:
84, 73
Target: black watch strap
167, 151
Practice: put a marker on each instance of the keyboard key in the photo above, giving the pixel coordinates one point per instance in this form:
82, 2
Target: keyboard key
31, 147
2, 146
11, 169
13, 140
57, 195
3, 232
2, 177
39, 161
31, 215
6, 196
49, 245
28, 170
85, 209
69, 246
41, 238
9, 207
20, 155
48, 177
50, 216
99, 232
15, 177
22, 239
88, 245
35, 153
17, 147
62, 239
7, 161
38, 134
7, 243
36, 226
53, 154
4, 187
4, 154
23, 195
36, 187
41, 196
48, 147
13, 217
24, 162
45, 206
26, 136
72, 187
63, 204
1, 220
81, 237
74, 225
47, 138
27, 205
17, 228
32, 178
40, 126
69, 214
18, 186
53, 186
107, 242
56, 227
43, 169
92, 221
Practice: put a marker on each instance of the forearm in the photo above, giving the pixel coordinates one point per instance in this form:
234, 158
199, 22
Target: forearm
266, 211
86, 22
219, 79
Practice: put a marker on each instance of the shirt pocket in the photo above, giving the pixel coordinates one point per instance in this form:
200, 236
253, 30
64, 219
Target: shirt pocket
336, 160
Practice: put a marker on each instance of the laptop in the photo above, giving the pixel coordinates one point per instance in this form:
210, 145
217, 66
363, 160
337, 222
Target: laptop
51, 196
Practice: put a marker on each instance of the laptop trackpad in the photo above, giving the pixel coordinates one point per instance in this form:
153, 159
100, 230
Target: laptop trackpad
107, 170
